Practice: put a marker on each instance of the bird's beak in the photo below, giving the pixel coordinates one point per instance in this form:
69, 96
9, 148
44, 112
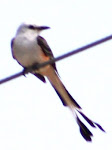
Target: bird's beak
42, 28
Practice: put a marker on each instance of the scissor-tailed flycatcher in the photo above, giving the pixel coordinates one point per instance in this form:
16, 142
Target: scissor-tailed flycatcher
28, 48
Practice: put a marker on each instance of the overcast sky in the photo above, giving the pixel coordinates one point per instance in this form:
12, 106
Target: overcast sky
31, 114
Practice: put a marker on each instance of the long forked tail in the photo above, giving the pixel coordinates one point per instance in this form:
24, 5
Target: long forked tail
68, 100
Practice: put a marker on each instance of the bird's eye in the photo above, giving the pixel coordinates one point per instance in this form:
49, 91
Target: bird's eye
31, 27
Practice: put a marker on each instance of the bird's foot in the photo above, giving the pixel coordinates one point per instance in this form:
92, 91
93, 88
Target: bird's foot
26, 71
31, 69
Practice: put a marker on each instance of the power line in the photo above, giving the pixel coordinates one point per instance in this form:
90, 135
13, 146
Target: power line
59, 58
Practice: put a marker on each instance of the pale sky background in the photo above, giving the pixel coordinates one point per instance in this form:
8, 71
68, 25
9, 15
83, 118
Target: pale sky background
31, 114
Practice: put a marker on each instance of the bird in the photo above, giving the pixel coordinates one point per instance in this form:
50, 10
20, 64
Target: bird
30, 49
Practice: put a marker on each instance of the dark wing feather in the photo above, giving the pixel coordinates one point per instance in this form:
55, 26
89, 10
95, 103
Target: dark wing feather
46, 49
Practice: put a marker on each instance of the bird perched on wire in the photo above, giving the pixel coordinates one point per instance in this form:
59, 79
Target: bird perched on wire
30, 49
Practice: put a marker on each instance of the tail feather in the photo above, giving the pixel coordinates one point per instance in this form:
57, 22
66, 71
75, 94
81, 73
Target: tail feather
87, 119
63, 100
99, 126
91, 122
68, 100
73, 100
85, 132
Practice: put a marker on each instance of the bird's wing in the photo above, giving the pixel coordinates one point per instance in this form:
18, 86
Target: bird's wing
46, 49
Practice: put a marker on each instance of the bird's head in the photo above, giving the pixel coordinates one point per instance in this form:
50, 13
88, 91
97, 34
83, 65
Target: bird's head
23, 28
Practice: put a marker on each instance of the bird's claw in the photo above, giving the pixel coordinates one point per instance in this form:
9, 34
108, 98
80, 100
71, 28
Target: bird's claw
31, 69
26, 71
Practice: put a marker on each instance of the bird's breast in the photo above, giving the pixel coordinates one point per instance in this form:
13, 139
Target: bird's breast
27, 52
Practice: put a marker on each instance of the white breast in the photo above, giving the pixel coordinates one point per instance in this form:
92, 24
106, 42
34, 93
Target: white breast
27, 51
